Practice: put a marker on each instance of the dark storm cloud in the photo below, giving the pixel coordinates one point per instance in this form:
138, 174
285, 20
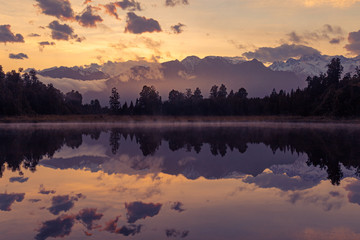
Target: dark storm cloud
6, 200
139, 210
60, 31
42, 190
58, 8
136, 24
281, 53
87, 18
59, 227
18, 179
7, 36
62, 203
177, 206
87, 216
173, 3
178, 28
33, 35
354, 42
176, 234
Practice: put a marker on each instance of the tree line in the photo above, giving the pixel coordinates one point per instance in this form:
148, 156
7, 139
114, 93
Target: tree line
328, 94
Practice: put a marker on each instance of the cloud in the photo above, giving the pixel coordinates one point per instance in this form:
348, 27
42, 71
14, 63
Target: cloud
136, 24
44, 191
6, 200
87, 1
18, 179
87, 216
61, 31
62, 203
327, 32
354, 42
176, 234
58, 8
173, 3
281, 53
177, 206
87, 18
178, 28
333, 3
139, 210
110, 9
336, 40
46, 43
33, 35
33, 200
59, 227
130, 5
7, 36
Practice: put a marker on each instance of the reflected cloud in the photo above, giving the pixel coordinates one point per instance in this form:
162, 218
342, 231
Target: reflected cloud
327, 202
6, 200
139, 210
87, 216
18, 179
126, 230
176, 234
330, 234
62, 203
44, 191
59, 227
177, 206
354, 192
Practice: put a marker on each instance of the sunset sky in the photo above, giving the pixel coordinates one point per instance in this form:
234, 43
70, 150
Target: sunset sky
47, 33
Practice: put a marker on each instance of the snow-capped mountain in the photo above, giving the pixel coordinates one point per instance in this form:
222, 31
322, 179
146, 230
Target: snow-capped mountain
90, 72
314, 65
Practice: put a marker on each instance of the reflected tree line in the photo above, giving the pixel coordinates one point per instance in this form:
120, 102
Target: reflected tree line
25, 148
328, 94
325, 148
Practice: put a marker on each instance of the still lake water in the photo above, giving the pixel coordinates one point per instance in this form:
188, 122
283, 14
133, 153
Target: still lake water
180, 181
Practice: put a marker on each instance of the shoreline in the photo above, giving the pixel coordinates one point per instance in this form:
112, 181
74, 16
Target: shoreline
173, 119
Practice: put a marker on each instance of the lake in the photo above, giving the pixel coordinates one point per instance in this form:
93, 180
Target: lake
180, 181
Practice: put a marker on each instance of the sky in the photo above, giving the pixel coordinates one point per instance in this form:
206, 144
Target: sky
47, 33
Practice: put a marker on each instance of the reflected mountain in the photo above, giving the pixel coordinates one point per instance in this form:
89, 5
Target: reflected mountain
210, 152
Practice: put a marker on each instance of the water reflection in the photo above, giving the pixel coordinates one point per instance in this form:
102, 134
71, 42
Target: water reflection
180, 183
328, 148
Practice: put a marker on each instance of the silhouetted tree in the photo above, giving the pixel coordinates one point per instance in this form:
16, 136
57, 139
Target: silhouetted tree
114, 101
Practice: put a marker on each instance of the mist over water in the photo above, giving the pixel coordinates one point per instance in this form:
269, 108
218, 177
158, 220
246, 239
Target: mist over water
191, 180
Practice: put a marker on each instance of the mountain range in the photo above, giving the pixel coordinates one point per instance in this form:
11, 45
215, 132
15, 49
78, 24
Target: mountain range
191, 72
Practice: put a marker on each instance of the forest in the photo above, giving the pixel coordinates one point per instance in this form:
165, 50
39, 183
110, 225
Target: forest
329, 94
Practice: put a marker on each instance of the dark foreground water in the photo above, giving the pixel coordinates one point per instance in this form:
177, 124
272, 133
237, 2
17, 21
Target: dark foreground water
191, 181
